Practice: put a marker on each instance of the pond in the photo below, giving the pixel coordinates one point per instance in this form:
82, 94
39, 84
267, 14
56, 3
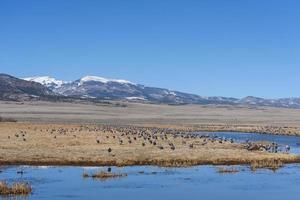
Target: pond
292, 141
149, 182
146, 182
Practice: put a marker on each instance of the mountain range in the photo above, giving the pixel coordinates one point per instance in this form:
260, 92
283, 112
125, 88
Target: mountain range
99, 88
94, 87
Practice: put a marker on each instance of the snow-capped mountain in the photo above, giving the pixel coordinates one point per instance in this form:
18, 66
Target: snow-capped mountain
95, 87
99, 87
12, 88
47, 81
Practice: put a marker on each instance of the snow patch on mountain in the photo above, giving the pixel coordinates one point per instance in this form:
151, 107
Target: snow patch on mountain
102, 80
46, 80
136, 98
172, 93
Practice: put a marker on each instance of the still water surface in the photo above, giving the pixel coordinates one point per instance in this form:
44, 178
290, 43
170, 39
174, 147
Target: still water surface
201, 182
292, 141
155, 183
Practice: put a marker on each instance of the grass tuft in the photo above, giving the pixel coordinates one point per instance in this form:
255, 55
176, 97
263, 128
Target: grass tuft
227, 170
103, 175
266, 164
19, 188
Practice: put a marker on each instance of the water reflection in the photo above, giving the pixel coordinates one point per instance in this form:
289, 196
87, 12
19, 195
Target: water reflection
160, 183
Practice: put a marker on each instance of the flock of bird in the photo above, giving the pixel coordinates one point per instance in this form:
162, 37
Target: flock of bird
162, 138
269, 147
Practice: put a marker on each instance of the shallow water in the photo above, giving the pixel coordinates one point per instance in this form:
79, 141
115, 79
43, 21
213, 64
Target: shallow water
292, 141
146, 182
201, 182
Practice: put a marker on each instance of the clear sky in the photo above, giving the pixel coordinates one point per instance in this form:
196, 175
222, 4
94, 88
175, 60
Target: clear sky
208, 47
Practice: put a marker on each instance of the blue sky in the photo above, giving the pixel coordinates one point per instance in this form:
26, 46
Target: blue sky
210, 47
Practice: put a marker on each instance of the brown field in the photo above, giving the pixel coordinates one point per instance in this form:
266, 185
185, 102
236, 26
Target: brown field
72, 134
66, 144
207, 118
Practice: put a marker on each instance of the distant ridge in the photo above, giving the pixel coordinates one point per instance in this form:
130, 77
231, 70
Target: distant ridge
12, 88
95, 87
99, 88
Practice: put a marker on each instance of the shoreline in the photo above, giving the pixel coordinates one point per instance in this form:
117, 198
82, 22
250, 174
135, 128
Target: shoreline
236, 128
157, 163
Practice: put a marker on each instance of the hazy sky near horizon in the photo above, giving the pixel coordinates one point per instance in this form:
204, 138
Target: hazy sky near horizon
209, 47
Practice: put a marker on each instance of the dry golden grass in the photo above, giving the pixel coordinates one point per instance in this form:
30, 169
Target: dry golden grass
87, 145
266, 164
15, 189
